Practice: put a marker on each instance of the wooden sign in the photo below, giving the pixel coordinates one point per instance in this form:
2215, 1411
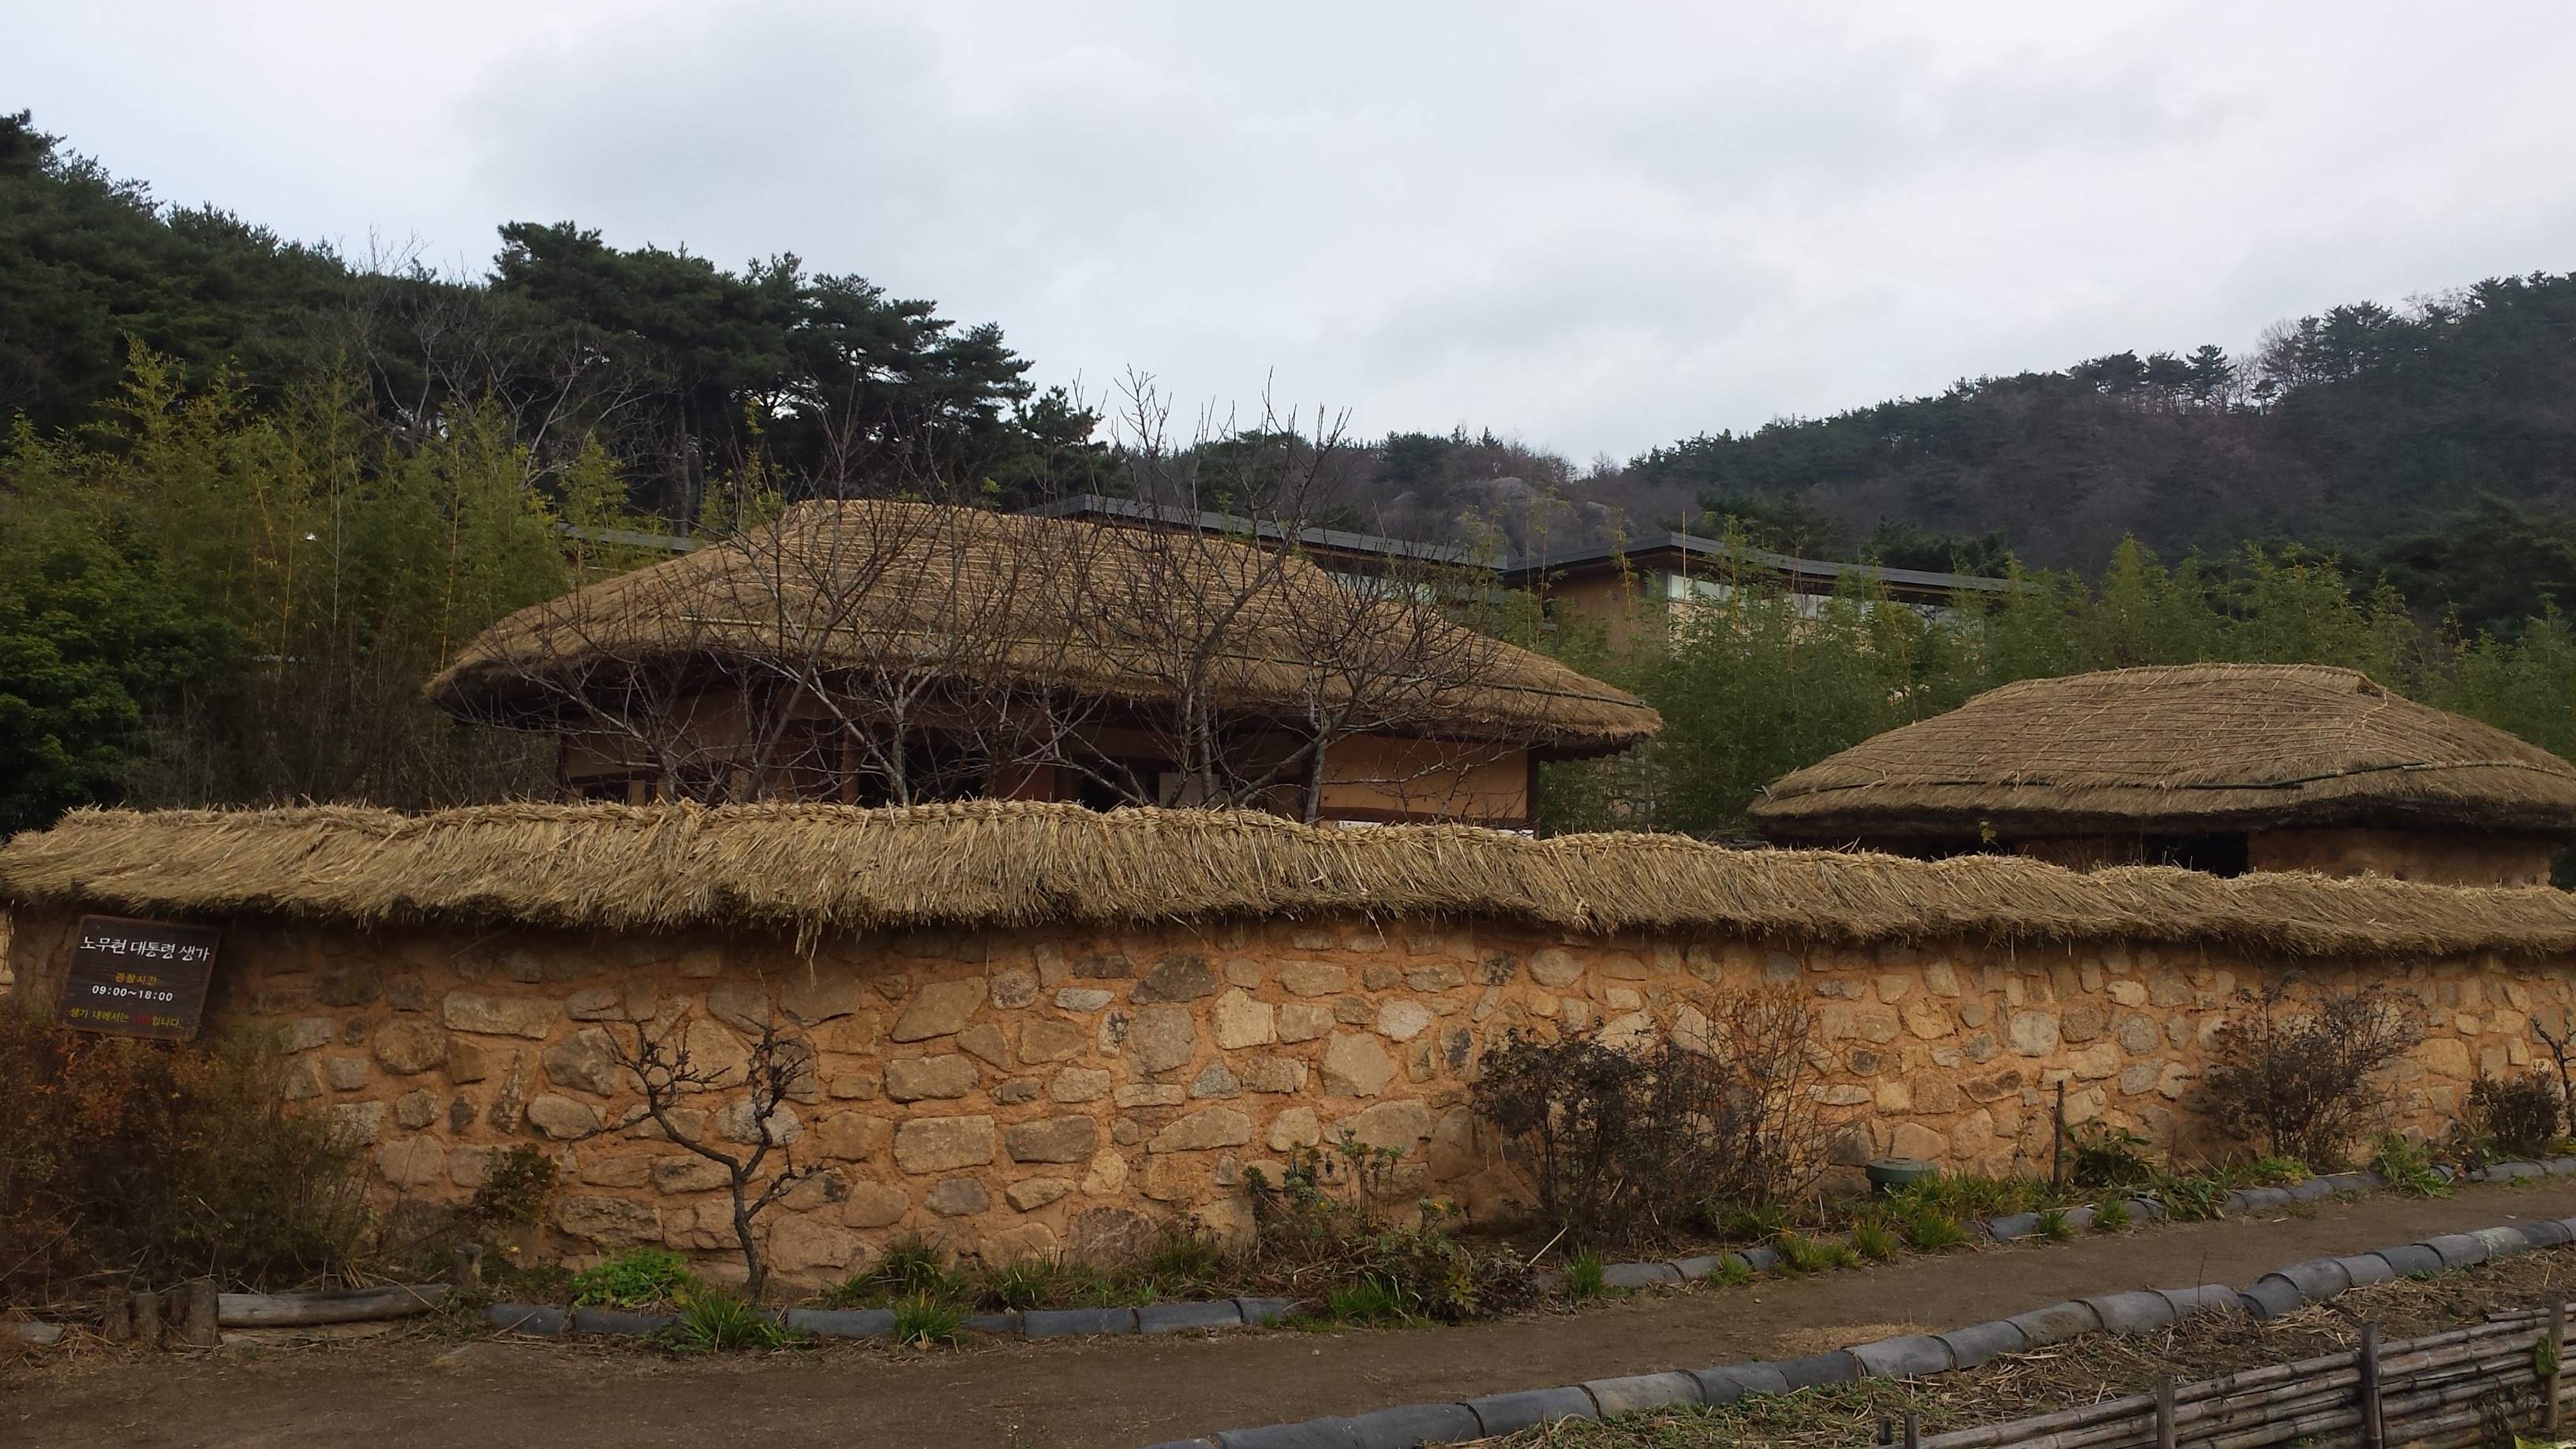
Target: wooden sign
138, 978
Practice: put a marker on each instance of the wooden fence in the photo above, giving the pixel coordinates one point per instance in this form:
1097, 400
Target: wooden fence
2468, 1386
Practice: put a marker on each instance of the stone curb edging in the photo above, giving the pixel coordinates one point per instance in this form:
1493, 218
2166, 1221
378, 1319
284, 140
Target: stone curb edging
2013, 1226
1917, 1355
539, 1320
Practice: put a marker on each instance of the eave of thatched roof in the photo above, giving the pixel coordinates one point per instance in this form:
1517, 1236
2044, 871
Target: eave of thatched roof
815, 871
2180, 749
892, 587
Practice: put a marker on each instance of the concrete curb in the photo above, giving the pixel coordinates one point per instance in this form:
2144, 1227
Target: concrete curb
1909, 1356
538, 1320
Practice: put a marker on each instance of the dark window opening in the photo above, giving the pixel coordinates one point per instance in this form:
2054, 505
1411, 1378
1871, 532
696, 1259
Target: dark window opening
2211, 854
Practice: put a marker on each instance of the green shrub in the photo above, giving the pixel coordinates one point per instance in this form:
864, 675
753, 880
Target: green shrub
1586, 1275
1034, 1283
713, 1320
926, 1322
2112, 1216
1930, 1229
2407, 1168
2275, 1172
1732, 1271
2053, 1225
1317, 1230
1365, 1300
515, 1188
1814, 1255
636, 1278
1874, 1240
1758, 1223
2103, 1156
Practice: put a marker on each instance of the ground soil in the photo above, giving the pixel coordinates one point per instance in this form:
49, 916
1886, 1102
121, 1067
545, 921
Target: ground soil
421, 1390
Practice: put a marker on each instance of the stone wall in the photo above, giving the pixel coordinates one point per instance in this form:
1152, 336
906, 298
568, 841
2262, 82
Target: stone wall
1018, 1093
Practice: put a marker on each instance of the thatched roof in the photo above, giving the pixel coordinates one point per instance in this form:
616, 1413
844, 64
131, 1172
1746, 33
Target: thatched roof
818, 870
974, 595
2183, 749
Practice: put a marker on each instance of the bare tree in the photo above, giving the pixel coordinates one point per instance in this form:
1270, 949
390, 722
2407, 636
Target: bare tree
664, 1074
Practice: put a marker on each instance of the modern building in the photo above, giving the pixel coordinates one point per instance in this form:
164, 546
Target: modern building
2221, 767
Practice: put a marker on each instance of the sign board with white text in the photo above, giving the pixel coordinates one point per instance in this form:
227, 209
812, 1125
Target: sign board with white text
138, 978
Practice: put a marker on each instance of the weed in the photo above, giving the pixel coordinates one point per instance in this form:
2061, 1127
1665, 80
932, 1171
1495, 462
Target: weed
2301, 1082
637, 1278
2113, 1217
1033, 1283
1732, 1271
2276, 1171
2053, 1225
714, 1320
1586, 1275
1815, 1255
925, 1322
2408, 1168
1365, 1300
2512, 1117
515, 1187
1874, 1240
2106, 1156
1755, 1224
1931, 1230
913, 1268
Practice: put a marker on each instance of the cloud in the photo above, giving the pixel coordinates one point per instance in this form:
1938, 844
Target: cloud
1601, 227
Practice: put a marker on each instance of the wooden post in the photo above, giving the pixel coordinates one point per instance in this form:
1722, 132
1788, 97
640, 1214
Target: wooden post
1887, 1431
116, 1317
1913, 1430
2057, 1145
467, 1261
2164, 1411
2374, 1434
147, 1317
2549, 1384
198, 1316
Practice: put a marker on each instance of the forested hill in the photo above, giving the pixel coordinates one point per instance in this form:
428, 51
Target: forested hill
2357, 429
674, 365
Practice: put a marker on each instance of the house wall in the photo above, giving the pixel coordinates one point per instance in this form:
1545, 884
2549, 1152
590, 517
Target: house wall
1024, 1092
2461, 860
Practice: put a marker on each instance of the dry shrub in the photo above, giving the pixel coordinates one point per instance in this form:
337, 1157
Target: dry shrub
2301, 1080
1632, 1146
2510, 1116
157, 1161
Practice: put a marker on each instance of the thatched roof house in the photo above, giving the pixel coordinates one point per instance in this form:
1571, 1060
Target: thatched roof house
2227, 767
1044, 648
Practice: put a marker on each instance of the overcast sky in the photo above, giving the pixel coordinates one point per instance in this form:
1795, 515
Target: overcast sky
1598, 227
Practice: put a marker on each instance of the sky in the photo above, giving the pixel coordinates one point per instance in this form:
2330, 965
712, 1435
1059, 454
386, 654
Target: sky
1592, 227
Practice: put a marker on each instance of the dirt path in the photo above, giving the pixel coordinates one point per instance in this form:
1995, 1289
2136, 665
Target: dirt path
1121, 1393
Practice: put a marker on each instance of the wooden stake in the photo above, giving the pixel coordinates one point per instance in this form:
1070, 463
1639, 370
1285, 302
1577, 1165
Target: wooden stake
2165, 1412
198, 1314
2374, 1434
467, 1260
116, 1317
147, 1317
2549, 1385
1913, 1430
2057, 1145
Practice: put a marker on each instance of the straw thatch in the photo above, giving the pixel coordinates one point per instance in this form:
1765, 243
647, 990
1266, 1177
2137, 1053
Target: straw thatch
2186, 749
818, 870
1092, 610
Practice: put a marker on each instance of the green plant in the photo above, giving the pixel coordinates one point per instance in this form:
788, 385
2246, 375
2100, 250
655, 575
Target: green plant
636, 1278
2053, 1225
2275, 1172
2112, 1216
1365, 1300
1874, 1239
714, 1320
1930, 1229
2104, 1156
1586, 1275
1317, 1236
2302, 1080
1756, 1223
2407, 1168
2190, 1195
913, 1268
1732, 1271
1034, 1283
515, 1187
1814, 1255
925, 1322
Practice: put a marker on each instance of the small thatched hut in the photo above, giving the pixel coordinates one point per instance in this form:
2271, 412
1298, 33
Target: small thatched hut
2223, 767
867, 652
